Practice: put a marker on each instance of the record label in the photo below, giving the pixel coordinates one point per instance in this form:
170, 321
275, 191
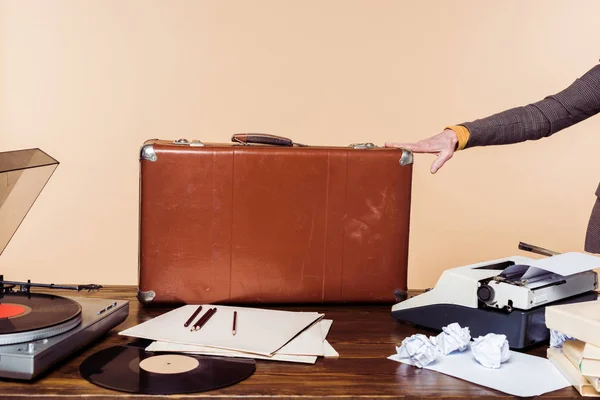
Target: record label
169, 364
12, 310
135, 370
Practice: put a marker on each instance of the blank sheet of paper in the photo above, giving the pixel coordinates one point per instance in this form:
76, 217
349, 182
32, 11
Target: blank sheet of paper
259, 331
213, 351
329, 350
325, 327
566, 264
309, 342
522, 375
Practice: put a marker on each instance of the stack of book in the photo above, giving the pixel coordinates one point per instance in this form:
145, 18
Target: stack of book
579, 358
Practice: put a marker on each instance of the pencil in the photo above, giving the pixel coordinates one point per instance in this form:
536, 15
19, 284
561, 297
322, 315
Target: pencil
201, 320
204, 319
189, 321
234, 329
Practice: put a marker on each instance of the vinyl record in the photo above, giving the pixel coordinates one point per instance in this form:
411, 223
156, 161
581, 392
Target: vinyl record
24, 313
134, 370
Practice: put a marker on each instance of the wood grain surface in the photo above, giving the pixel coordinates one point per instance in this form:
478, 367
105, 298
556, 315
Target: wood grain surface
363, 336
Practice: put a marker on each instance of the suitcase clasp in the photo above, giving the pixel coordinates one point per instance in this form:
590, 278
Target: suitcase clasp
362, 145
193, 143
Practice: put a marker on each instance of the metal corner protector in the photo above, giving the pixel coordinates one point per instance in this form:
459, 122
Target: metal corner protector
147, 153
145, 297
406, 158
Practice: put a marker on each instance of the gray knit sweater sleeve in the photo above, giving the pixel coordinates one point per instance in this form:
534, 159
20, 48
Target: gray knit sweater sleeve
576, 103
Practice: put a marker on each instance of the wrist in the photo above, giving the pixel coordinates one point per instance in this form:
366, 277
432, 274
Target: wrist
461, 133
452, 137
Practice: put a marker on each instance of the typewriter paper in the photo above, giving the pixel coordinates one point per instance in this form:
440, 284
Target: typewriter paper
259, 331
522, 375
566, 264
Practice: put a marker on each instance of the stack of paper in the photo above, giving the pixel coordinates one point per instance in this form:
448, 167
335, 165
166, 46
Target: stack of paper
579, 359
260, 333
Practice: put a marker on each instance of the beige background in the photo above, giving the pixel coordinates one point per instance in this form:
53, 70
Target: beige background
89, 81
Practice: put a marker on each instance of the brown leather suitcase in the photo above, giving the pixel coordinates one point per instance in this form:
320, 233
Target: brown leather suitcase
263, 220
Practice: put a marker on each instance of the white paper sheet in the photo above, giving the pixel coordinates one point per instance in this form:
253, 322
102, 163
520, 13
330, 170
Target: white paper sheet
259, 331
212, 351
325, 349
522, 375
309, 342
533, 272
566, 264
522, 272
329, 350
325, 327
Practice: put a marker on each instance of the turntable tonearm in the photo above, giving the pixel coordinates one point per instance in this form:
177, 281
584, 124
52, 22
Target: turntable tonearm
38, 330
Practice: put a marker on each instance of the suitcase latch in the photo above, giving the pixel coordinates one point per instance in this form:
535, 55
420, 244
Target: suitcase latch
362, 145
185, 142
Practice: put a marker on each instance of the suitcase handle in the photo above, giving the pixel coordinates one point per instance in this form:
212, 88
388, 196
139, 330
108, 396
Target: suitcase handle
265, 138
261, 138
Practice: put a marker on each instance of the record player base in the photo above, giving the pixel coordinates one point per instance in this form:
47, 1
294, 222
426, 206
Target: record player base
363, 336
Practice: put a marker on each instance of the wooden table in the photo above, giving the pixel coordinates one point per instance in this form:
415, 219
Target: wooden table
363, 336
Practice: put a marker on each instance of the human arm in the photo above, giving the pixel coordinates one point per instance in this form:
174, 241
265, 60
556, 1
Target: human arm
574, 104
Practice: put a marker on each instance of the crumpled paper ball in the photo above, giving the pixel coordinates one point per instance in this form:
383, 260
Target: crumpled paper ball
491, 350
557, 339
419, 349
452, 338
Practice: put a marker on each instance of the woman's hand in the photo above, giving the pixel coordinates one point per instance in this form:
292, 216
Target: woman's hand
443, 144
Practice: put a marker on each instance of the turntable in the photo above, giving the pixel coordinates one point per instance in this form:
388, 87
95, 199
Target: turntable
38, 330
